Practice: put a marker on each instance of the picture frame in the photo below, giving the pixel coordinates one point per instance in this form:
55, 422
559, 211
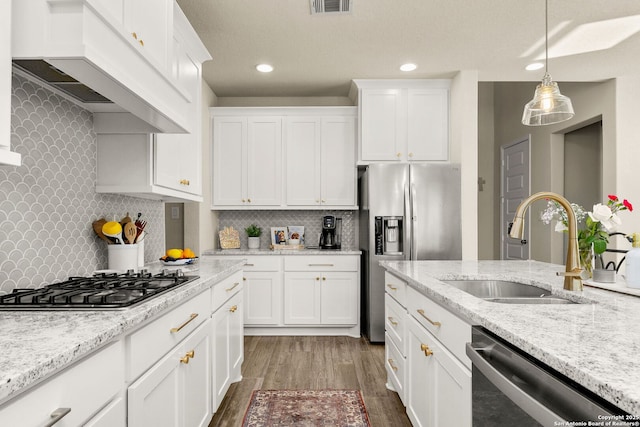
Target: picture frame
296, 233
278, 236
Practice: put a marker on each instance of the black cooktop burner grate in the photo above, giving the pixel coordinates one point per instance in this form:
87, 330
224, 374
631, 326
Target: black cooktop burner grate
99, 292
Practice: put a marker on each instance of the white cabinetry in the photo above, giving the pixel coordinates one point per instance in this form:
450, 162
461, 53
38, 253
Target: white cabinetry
321, 291
247, 158
403, 120
320, 161
228, 338
395, 325
176, 390
253, 146
89, 401
7, 157
262, 297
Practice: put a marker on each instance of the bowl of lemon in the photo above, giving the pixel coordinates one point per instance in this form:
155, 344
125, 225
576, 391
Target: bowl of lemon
178, 257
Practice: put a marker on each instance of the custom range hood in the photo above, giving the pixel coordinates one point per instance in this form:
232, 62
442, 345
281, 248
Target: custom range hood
85, 49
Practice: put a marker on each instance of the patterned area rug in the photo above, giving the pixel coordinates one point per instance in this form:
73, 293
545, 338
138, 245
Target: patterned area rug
306, 408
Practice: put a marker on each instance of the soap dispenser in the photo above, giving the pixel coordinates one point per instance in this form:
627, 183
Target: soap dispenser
632, 269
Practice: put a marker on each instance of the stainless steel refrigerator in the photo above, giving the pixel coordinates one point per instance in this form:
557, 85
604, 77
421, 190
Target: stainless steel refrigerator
407, 212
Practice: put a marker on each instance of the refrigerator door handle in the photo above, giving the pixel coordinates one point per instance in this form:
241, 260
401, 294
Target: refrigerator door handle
407, 223
414, 244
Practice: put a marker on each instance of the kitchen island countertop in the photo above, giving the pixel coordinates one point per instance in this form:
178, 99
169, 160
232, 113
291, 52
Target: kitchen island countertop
37, 344
595, 343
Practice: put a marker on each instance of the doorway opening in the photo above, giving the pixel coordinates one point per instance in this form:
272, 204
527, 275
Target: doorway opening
174, 225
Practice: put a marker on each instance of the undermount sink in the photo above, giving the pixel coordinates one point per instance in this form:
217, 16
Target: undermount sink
507, 292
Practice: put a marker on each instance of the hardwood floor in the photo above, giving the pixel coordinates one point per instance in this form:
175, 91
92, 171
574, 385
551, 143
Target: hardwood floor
313, 363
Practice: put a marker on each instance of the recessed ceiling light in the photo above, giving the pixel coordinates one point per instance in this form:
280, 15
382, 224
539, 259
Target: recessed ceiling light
408, 67
534, 66
264, 68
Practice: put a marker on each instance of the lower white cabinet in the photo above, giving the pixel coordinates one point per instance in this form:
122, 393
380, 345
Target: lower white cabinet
439, 386
227, 346
262, 297
176, 390
88, 400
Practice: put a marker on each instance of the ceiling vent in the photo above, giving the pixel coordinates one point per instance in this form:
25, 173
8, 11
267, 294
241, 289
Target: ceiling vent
330, 6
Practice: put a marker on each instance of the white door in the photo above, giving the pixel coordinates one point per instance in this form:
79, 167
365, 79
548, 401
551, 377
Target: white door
339, 295
302, 139
381, 135
196, 393
514, 188
220, 324
428, 124
337, 161
302, 298
229, 154
262, 297
264, 161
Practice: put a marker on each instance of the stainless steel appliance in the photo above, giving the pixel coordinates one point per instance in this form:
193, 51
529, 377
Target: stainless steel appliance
510, 388
331, 236
407, 212
100, 292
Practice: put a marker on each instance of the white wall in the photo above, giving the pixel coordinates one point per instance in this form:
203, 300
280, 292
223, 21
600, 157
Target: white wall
488, 169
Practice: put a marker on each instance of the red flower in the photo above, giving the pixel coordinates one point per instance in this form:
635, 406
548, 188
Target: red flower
613, 197
628, 205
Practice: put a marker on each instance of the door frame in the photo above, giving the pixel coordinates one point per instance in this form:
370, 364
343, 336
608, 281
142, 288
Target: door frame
503, 147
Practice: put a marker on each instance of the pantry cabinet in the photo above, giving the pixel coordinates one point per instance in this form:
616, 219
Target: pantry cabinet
403, 120
176, 390
320, 161
295, 158
247, 159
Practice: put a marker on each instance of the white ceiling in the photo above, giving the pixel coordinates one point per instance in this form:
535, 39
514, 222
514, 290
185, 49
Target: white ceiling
318, 55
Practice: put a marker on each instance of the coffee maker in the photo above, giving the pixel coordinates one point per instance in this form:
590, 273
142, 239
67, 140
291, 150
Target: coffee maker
331, 232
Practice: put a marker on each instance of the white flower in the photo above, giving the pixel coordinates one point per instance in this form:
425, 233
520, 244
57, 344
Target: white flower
602, 213
560, 227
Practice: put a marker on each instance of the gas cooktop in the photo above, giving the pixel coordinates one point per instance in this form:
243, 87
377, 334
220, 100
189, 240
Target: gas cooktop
104, 291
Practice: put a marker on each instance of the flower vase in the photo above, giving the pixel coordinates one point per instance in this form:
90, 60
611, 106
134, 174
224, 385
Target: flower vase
586, 260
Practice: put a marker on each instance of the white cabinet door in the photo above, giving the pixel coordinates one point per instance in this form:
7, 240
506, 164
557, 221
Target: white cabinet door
175, 391
262, 298
337, 161
302, 148
435, 380
339, 298
302, 298
229, 168
380, 128
7, 157
428, 124
228, 350
178, 163
150, 25
264, 161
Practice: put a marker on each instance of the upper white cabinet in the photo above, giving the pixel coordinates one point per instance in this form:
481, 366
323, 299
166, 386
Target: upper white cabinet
403, 120
247, 156
295, 158
122, 49
7, 157
159, 166
320, 161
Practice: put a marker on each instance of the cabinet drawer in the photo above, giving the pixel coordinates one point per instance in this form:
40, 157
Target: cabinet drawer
226, 289
262, 263
395, 364
395, 323
153, 341
448, 328
85, 388
321, 263
396, 287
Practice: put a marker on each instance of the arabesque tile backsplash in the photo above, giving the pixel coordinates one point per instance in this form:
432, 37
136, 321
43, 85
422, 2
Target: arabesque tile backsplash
48, 203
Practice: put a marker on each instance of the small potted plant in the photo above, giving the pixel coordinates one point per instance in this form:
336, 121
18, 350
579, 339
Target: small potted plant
253, 233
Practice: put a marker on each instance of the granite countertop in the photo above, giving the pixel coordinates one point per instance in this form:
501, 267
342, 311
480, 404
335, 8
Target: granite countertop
596, 343
305, 251
36, 344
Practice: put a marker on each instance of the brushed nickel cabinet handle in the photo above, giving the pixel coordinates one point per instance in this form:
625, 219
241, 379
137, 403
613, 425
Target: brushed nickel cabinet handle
57, 415
421, 313
321, 265
177, 329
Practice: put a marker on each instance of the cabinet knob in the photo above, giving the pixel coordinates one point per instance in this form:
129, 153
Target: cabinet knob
410, 154
184, 359
398, 154
426, 349
233, 308
141, 43
191, 353
184, 182
317, 200
317, 278
244, 278
323, 201
324, 278
135, 36
243, 200
249, 200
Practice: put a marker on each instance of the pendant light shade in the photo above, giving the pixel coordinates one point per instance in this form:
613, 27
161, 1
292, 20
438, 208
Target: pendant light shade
548, 105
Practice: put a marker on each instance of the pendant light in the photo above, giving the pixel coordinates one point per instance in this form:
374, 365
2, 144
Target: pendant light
548, 105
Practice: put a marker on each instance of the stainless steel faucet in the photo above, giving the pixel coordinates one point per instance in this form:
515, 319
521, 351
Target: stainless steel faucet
572, 279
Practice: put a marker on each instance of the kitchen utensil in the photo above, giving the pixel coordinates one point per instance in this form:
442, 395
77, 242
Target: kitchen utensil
97, 227
126, 219
140, 225
113, 229
130, 232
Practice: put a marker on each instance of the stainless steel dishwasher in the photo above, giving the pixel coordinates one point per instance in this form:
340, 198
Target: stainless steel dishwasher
510, 388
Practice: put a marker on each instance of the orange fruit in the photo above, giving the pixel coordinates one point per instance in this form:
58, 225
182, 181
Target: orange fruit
188, 253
